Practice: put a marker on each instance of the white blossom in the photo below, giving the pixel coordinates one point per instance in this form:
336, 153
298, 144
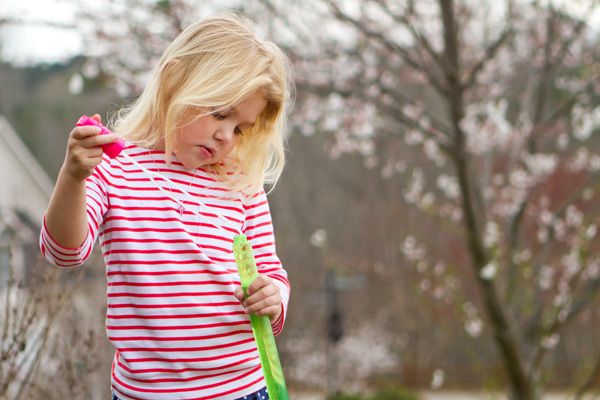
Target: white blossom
574, 217
572, 263
413, 111
427, 200
546, 217
439, 268
491, 234
411, 250
593, 269
449, 185
474, 327
522, 256
400, 167
560, 229
90, 70
76, 84
563, 313
550, 342
545, 277
591, 231
388, 170
413, 137
433, 152
562, 143
580, 160
415, 187
486, 126
594, 163
437, 379
563, 296
519, 178
425, 285
439, 293
489, 272
370, 162
584, 121
541, 164
319, 238
498, 179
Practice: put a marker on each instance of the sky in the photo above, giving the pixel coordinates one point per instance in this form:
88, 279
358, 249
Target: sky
33, 43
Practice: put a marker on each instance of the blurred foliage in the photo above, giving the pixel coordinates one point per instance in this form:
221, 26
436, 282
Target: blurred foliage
390, 392
37, 102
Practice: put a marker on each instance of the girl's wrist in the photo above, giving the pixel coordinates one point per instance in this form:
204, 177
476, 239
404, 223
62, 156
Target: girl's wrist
275, 317
71, 176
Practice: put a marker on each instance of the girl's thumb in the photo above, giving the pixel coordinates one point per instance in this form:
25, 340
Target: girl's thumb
97, 117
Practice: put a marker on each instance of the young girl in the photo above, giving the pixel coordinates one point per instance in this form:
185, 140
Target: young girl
203, 137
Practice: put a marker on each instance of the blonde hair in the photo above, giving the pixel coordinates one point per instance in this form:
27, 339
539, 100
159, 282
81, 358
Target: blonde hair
213, 65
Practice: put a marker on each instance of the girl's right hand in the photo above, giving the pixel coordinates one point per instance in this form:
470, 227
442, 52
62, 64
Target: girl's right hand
84, 151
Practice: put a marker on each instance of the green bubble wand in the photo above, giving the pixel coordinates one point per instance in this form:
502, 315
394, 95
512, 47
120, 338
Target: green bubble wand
261, 324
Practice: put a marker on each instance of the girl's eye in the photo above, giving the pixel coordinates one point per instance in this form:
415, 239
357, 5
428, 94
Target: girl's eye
219, 116
238, 131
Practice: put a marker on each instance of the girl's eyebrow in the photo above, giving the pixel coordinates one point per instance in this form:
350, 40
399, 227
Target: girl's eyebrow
233, 110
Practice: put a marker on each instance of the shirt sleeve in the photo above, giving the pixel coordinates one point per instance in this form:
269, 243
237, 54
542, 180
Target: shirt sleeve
258, 228
96, 207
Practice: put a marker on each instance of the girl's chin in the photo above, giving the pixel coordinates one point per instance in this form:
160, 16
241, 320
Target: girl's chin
195, 164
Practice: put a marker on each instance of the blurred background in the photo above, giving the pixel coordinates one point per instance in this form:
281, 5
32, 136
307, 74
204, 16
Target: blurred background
437, 216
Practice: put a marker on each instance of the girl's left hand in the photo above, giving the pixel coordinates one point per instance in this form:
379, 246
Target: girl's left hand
263, 298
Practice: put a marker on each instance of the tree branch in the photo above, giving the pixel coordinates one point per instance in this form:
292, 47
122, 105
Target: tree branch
378, 37
490, 53
417, 35
589, 293
503, 333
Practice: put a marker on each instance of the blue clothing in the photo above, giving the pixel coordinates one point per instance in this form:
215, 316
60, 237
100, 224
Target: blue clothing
260, 395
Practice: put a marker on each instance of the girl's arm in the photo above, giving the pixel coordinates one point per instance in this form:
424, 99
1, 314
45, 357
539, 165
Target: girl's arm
66, 218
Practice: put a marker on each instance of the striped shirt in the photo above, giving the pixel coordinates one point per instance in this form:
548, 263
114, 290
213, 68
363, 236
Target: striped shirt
178, 331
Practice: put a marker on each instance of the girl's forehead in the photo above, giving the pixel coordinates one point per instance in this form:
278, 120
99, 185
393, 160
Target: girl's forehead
248, 109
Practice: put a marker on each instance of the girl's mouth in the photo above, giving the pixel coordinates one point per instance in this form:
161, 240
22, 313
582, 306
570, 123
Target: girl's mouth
206, 151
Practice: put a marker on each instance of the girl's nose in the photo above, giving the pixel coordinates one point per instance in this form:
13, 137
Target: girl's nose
225, 133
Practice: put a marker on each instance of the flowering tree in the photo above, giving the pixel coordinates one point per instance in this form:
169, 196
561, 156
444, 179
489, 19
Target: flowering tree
499, 98
502, 102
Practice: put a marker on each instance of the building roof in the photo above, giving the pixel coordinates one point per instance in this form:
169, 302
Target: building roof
24, 185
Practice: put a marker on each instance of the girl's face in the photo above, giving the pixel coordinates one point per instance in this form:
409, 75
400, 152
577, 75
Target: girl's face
210, 138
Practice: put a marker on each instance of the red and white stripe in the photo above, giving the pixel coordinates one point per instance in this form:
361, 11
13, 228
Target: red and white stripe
177, 329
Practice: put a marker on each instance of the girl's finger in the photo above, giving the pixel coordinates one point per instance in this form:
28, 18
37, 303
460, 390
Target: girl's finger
270, 311
264, 292
98, 140
256, 308
259, 303
81, 132
95, 153
239, 294
260, 282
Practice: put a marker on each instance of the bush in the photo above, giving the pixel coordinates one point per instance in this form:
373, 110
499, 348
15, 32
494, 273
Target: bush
345, 396
386, 393
394, 393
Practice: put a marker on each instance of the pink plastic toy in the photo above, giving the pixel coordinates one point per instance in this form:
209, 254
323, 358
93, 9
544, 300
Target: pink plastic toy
111, 149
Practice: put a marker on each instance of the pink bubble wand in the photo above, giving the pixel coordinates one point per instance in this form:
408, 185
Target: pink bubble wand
111, 149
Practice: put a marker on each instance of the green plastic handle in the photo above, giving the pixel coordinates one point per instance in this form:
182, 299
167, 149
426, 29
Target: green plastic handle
261, 324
